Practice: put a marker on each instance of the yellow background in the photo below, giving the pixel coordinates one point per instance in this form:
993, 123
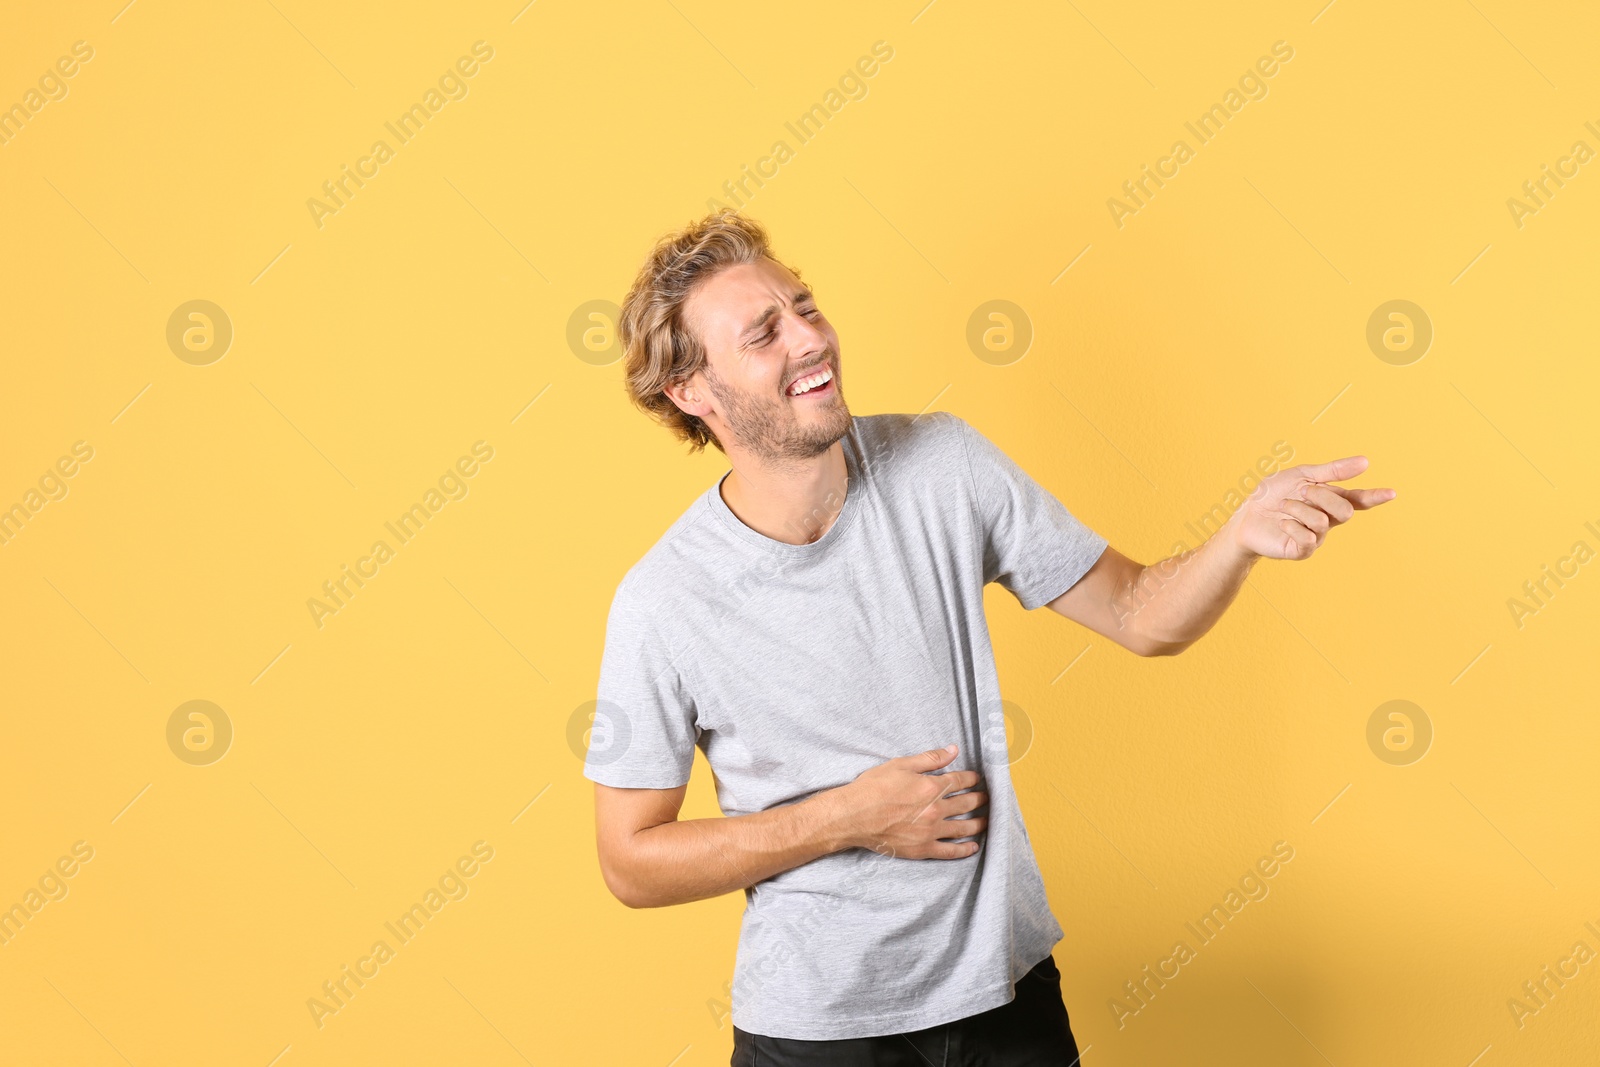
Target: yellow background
433, 710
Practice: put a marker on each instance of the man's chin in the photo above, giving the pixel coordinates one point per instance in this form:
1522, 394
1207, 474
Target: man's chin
807, 434
831, 425
826, 411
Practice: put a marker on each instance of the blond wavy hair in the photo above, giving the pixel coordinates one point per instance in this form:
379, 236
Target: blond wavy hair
659, 347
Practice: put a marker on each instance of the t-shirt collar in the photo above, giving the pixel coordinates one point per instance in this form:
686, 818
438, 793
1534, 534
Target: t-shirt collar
855, 488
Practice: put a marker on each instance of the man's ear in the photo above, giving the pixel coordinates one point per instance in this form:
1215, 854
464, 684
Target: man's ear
689, 395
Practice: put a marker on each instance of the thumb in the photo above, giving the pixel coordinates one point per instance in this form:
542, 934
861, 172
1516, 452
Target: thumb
1336, 471
934, 758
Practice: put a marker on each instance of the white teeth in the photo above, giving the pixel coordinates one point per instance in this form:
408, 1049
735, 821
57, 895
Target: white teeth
806, 384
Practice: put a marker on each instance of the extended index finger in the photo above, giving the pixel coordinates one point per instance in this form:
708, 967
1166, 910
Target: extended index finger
1336, 471
1362, 499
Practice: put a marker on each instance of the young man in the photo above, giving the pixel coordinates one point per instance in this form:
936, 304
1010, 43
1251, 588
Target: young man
814, 623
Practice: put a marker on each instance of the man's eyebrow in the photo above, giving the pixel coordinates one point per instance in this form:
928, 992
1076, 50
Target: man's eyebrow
800, 297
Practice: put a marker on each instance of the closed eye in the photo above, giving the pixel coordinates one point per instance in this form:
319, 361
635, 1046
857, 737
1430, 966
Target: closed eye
766, 338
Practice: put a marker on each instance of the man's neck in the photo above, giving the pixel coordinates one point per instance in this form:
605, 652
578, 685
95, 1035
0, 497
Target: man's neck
792, 502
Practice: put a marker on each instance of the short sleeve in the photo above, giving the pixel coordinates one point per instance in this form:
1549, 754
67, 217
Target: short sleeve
644, 733
1033, 546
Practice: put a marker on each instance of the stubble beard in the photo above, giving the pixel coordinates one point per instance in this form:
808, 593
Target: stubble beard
770, 428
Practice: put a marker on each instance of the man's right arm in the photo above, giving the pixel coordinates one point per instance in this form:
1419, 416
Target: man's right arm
650, 859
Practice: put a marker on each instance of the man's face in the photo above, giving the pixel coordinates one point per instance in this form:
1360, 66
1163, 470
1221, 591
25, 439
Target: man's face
763, 336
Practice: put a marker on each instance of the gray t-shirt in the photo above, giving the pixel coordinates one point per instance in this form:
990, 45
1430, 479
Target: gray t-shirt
797, 667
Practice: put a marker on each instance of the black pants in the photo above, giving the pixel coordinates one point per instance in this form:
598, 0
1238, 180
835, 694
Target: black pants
1031, 1031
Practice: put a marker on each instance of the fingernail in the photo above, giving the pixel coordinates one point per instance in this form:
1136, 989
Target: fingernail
950, 748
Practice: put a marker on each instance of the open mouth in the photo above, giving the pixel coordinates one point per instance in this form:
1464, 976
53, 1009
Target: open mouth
818, 383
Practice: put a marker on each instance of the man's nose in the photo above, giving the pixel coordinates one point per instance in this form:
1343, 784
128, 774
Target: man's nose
808, 339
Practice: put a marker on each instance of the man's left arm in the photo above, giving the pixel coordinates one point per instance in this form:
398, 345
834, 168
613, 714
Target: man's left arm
1162, 609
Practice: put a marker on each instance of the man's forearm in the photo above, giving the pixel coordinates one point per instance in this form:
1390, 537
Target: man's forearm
1171, 604
681, 861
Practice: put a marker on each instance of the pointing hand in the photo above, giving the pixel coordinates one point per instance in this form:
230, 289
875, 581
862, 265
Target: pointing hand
1291, 511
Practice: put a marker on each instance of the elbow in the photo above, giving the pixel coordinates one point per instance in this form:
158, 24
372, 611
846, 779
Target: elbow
629, 889
624, 888
1151, 647
624, 895
634, 901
